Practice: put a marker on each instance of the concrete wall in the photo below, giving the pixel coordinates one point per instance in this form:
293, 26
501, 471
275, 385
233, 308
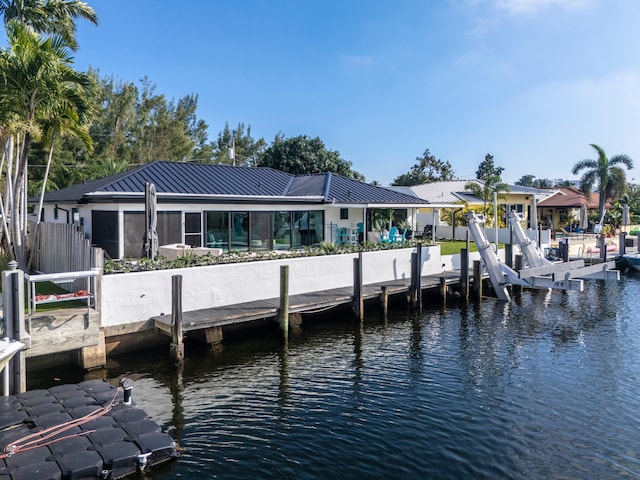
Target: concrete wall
133, 297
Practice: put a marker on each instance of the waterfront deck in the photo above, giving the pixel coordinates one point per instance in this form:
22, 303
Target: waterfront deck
302, 303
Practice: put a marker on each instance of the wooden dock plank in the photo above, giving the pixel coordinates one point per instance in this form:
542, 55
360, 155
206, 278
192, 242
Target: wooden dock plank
63, 330
300, 303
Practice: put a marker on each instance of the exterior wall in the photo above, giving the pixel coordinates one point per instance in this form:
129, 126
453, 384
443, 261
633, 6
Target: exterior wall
133, 297
551, 216
84, 213
83, 216
332, 221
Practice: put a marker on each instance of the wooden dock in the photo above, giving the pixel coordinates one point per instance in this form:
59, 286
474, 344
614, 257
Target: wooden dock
303, 303
69, 329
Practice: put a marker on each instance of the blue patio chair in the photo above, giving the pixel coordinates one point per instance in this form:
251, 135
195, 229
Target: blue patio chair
385, 237
394, 235
343, 236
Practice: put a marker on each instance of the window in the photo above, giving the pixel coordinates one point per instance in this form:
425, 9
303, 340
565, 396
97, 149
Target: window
281, 230
260, 229
133, 234
307, 227
104, 226
193, 229
240, 231
517, 207
344, 214
169, 230
217, 230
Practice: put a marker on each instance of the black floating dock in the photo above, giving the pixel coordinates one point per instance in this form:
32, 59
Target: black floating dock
78, 431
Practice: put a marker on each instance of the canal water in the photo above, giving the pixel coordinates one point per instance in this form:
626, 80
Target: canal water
546, 387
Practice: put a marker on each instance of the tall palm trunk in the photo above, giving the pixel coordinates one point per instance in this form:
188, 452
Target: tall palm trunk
36, 230
17, 213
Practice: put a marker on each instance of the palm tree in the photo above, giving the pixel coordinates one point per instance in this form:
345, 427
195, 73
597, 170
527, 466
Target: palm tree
39, 87
57, 17
608, 174
486, 189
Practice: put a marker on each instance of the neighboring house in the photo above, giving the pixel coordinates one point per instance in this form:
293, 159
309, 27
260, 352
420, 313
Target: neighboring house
454, 195
562, 208
232, 208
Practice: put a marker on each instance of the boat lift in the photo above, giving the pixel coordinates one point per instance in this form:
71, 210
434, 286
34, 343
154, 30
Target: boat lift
541, 272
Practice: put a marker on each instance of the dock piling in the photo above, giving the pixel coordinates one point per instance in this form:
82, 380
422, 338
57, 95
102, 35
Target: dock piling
477, 279
443, 290
15, 372
283, 311
384, 301
358, 298
464, 273
518, 266
177, 345
418, 284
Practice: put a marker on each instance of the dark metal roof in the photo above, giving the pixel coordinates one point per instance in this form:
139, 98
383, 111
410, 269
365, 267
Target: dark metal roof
346, 190
175, 179
203, 179
308, 185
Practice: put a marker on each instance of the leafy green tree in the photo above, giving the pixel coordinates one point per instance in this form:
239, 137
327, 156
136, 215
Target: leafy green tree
606, 172
632, 198
427, 169
71, 115
161, 129
38, 90
301, 154
543, 183
57, 17
246, 149
488, 170
526, 181
490, 182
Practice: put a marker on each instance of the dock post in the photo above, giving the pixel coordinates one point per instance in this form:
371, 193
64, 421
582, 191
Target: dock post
565, 250
15, 373
602, 243
213, 336
508, 249
384, 301
358, 299
518, 266
177, 346
443, 290
283, 311
418, 284
477, 279
622, 249
412, 288
464, 273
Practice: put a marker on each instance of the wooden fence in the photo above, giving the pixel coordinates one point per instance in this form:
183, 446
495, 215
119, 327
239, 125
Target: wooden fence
62, 247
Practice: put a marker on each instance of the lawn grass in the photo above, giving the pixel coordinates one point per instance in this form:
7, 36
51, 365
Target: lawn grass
49, 288
453, 247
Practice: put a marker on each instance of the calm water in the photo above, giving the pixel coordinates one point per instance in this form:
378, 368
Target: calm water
545, 387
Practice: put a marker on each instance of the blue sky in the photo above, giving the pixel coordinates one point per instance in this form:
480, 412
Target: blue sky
533, 82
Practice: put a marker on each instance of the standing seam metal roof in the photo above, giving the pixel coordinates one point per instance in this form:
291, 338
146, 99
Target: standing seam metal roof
214, 179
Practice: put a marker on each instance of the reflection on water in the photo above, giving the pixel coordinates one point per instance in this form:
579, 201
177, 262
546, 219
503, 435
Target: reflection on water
544, 387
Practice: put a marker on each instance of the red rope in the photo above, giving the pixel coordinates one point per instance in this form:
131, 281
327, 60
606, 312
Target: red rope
37, 439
